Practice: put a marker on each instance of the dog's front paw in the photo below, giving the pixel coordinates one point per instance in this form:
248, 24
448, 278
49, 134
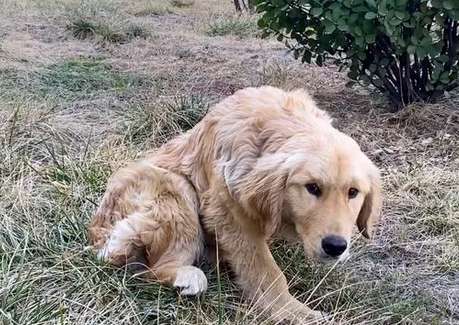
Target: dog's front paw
190, 280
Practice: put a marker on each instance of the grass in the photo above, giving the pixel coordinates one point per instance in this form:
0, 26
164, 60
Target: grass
134, 31
274, 74
348, 294
150, 125
83, 28
106, 32
151, 8
437, 213
83, 76
73, 111
182, 3
13, 81
238, 26
69, 79
105, 22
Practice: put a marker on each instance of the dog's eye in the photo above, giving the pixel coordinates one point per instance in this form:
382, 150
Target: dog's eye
314, 189
353, 192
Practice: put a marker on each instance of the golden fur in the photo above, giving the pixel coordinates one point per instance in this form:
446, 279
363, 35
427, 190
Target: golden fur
239, 176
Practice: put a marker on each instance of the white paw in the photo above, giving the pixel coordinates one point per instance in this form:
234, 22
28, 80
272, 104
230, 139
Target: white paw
191, 281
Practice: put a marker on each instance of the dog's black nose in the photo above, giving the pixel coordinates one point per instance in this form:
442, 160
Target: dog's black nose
334, 245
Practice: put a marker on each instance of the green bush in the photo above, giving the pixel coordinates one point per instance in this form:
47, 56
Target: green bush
408, 49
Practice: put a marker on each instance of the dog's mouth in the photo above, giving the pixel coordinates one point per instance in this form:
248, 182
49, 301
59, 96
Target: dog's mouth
325, 258
320, 256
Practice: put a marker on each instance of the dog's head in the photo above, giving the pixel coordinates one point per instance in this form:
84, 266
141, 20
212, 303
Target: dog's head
330, 190
306, 179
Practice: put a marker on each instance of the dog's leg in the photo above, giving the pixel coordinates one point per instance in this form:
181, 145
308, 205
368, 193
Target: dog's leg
122, 245
170, 249
175, 266
152, 212
190, 280
262, 280
246, 251
185, 242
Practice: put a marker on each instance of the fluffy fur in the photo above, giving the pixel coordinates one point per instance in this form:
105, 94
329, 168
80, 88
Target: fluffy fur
239, 177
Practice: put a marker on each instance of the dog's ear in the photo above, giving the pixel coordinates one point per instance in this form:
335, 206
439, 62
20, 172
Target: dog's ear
263, 192
371, 208
256, 182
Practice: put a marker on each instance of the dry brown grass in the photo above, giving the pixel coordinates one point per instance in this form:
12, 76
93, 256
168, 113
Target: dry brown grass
72, 111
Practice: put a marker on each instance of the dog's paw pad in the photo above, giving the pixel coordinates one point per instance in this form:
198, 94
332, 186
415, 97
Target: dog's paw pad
191, 281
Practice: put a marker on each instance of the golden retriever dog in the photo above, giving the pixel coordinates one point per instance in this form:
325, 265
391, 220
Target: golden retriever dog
262, 164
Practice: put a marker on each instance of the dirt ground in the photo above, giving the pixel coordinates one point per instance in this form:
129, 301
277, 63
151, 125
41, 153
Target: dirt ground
87, 85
